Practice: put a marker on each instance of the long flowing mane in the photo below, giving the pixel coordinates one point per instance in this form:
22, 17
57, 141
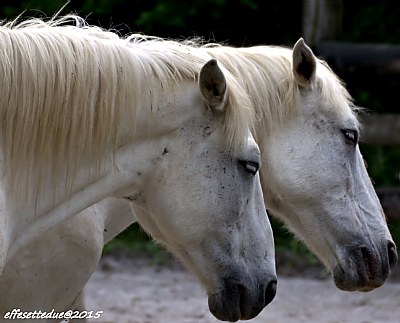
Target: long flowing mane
266, 72
68, 89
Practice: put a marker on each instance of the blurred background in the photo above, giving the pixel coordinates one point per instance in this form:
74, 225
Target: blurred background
360, 39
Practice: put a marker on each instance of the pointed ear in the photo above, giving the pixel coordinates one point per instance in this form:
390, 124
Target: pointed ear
212, 85
304, 64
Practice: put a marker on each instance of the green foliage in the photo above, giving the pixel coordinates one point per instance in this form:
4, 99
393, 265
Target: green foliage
373, 21
134, 239
11, 9
179, 14
284, 241
100, 7
383, 164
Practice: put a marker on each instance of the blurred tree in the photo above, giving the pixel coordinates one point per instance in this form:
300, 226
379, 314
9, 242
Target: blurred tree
239, 22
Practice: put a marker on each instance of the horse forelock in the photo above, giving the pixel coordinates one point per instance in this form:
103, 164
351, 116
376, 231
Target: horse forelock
266, 73
65, 83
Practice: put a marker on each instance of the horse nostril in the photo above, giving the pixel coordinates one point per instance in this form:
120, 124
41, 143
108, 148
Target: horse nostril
270, 292
392, 253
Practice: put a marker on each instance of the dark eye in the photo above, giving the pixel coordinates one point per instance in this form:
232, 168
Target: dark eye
350, 135
251, 167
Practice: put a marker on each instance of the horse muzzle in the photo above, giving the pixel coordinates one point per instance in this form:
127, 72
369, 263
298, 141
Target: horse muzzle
367, 267
238, 300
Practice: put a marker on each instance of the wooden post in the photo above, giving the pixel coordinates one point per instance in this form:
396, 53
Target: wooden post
322, 20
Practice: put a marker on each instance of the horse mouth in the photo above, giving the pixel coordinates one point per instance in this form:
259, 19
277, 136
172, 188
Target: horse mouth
366, 270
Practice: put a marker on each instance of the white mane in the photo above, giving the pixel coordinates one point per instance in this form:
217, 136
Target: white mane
68, 88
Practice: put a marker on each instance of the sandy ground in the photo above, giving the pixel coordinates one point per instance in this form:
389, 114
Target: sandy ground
134, 290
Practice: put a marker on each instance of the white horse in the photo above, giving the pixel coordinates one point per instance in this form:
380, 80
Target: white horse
85, 114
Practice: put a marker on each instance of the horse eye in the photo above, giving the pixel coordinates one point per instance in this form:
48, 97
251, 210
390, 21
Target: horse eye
351, 135
251, 167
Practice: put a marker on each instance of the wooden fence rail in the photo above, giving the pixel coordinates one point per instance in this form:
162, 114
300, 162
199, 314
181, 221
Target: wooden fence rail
382, 58
380, 129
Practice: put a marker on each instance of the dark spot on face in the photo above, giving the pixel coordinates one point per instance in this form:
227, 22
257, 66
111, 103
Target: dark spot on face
165, 151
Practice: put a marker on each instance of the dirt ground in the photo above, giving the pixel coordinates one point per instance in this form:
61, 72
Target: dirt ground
134, 290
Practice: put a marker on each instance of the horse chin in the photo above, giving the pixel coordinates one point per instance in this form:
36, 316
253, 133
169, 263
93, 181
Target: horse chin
236, 302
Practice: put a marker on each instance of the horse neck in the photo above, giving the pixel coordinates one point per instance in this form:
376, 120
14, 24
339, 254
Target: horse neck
53, 199
39, 213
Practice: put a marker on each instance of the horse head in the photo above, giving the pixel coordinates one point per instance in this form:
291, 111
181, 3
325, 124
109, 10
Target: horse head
203, 201
317, 183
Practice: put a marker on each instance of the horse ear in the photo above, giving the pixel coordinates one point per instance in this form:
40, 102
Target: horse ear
304, 64
212, 85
